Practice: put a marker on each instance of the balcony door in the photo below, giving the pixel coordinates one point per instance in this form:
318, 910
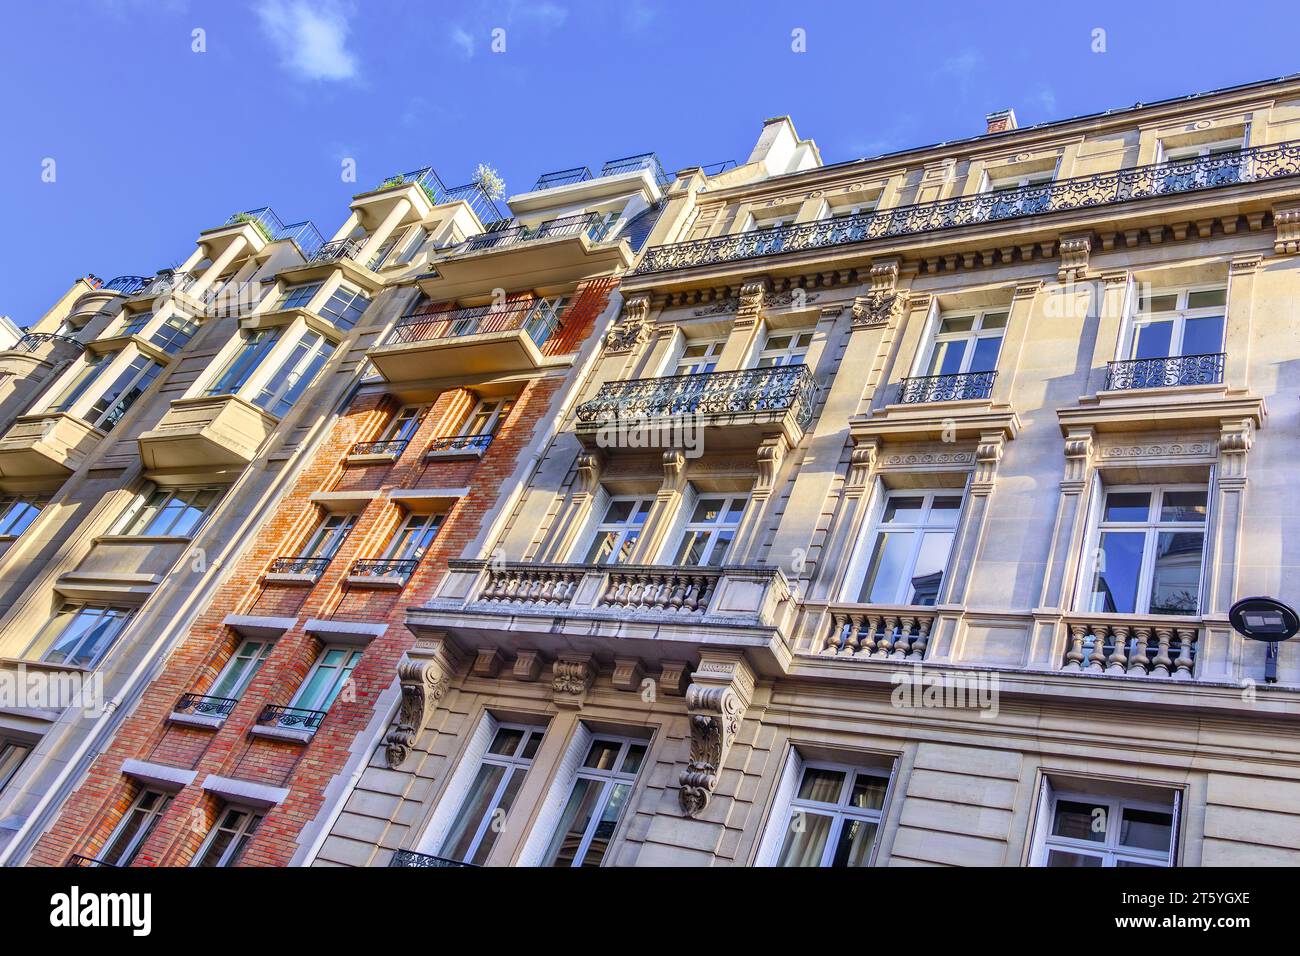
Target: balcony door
1178, 323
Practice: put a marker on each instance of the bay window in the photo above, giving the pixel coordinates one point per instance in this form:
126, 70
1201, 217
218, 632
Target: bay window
132, 382
12, 755
345, 306
907, 550
17, 512
170, 512
82, 379
297, 296
256, 347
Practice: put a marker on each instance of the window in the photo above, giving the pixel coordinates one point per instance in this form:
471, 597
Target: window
1150, 542
785, 348
385, 247
419, 235
241, 669
118, 398
600, 793
345, 306
257, 345
174, 333
616, 535
331, 671
1081, 829
498, 781
1206, 164
699, 357
17, 512
133, 322
228, 839
171, 512
833, 817
707, 537
486, 417
1178, 322
296, 372
12, 755
967, 343
130, 834
405, 423
329, 536
297, 296
80, 634
81, 381
910, 546
849, 209
759, 223
1004, 184
414, 537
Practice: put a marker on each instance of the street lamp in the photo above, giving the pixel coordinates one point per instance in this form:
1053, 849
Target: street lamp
1265, 619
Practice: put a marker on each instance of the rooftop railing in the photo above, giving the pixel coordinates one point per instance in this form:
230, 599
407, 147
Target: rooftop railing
34, 341
782, 388
273, 229
536, 317
471, 193
562, 177
615, 167
590, 224
127, 285
1254, 164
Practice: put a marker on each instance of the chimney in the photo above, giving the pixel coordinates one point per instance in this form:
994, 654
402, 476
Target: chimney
1001, 121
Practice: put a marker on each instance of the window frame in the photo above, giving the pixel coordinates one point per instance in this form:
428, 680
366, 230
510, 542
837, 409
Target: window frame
970, 339
1109, 851
247, 828
126, 525
244, 666
513, 763
329, 535
785, 356
350, 660
13, 754
306, 358
348, 297
1179, 316
608, 780
491, 412
840, 812
684, 364
406, 421
120, 613
709, 529
856, 581
620, 529
126, 856
34, 505
398, 551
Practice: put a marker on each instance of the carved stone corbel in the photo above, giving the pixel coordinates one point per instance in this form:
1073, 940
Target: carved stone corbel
884, 302
674, 463
716, 701
423, 683
1074, 251
771, 452
589, 465
1078, 455
862, 461
1236, 436
633, 327
988, 454
1286, 220
753, 296
571, 678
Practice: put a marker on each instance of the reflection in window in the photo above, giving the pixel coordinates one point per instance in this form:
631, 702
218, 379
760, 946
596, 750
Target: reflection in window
707, 537
500, 776
1179, 323
909, 548
1102, 830
17, 512
174, 512
616, 535
80, 634
596, 803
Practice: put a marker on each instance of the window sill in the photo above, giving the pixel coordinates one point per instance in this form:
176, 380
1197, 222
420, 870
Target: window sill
387, 458
447, 454
378, 582
140, 539
196, 720
282, 733
297, 580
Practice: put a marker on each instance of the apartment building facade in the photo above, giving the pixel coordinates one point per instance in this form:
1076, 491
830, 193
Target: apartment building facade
897, 525
471, 332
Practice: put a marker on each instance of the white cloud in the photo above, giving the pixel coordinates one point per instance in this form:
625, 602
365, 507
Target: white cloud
310, 36
463, 41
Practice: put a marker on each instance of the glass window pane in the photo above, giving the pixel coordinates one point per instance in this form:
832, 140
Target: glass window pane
1127, 506
956, 323
887, 566
506, 741
868, 792
1176, 581
1203, 336
1207, 298
994, 320
1119, 562
1079, 821
721, 545
707, 509
986, 353
927, 576
1154, 340
1062, 858
1146, 829
947, 357
602, 755
619, 511
477, 804
693, 546
805, 840
573, 823
821, 785
945, 510
903, 509
606, 825
1158, 303
853, 848
1183, 506
632, 761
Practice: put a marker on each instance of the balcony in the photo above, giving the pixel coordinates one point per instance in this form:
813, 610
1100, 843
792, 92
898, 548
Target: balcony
296, 569
959, 387
429, 183
338, 254
877, 633
738, 408
474, 341
381, 572
207, 434
43, 449
368, 452
38, 348
1159, 646
406, 858
1256, 164
1168, 372
459, 446
514, 256
266, 227
202, 711
299, 719
615, 167
126, 285
656, 613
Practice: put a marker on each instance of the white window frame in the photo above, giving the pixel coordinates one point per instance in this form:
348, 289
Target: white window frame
11, 516
710, 529
1178, 315
701, 364
406, 419
399, 551
512, 763
122, 614
996, 184
245, 666
310, 352
861, 563
619, 528
608, 779
787, 803
1181, 154
329, 535
487, 415
151, 818
1109, 851
230, 855
12, 755
351, 660
131, 517
1152, 527
970, 338
757, 223
781, 356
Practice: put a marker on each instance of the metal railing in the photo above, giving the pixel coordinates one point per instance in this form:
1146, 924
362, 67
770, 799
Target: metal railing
290, 717
385, 567
299, 565
474, 195
461, 442
946, 388
629, 164
411, 858
338, 249
273, 229
32, 341
1253, 164
562, 177
587, 224
205, 706
536, 317
78, 860
393, 446
1166, 372
127, 285
782, 388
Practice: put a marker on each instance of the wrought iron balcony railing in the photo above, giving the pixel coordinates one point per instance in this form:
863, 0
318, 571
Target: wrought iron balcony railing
587, 224
78, 860
411, 858
385, 567
461, 443
615, 167
537, 318
1166, 372
1254, 164
206, 706
394, 447
338, 249
299, 565
127, 285
33, 341
292, 718
946, 388
783, 388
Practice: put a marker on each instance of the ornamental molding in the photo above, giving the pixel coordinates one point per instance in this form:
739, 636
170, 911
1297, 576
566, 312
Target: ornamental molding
1074, 251
720, 693
633, 327
1189, 449
862, 462
797, 297
423, 683
753, 296
933, 458
571, 678
1286, 220
883, 303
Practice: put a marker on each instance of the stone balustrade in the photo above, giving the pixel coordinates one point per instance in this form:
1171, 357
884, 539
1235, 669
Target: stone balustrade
1132, 647
897, 633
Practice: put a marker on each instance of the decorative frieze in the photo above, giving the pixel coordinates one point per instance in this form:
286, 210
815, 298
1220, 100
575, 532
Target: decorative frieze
716, 701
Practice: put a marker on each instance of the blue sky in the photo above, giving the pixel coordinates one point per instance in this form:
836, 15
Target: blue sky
153, 141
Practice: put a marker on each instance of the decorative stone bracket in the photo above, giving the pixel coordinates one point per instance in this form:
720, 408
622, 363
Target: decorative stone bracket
883, 302
571, 678
1286, 220
716, 701
424, 681
1074, 250
633, 327
753, 296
